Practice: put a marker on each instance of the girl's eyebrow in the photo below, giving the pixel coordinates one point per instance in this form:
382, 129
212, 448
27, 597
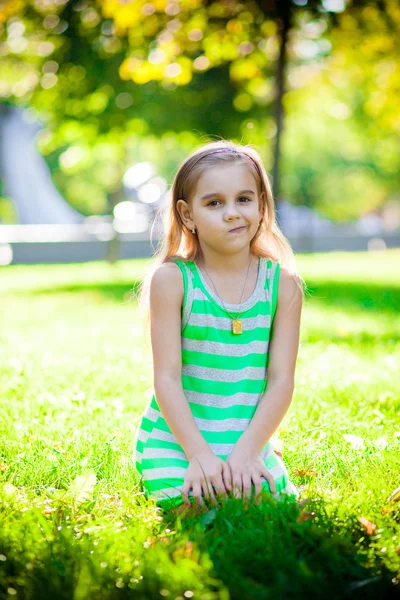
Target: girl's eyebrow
218, 194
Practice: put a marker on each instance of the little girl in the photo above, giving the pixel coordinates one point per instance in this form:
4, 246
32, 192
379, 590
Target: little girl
225, 305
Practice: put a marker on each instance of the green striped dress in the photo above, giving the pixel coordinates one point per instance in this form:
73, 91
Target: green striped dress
223, 378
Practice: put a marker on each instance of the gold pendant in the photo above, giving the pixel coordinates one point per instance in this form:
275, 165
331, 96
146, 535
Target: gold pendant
237, 326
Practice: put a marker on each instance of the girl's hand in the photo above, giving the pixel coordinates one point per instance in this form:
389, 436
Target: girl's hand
206, 468
247, 466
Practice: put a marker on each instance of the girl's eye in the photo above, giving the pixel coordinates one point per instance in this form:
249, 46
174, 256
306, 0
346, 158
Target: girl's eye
212, 203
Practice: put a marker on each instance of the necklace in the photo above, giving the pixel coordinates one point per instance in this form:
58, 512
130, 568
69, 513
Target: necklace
237, 326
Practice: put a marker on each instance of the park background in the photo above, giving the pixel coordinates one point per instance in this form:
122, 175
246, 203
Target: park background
101, 100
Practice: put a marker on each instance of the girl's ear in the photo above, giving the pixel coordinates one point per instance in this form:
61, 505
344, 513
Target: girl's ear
185, 213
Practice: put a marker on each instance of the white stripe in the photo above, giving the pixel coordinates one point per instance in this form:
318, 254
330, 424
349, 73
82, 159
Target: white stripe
152, 414
225, 375
225, 323
209, 347
163, 453
157, 434
142, 435
222, 425
203, 399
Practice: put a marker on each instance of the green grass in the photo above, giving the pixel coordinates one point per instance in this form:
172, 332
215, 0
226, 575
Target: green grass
75, 375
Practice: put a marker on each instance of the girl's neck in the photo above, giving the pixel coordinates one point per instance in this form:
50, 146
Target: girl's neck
226, 264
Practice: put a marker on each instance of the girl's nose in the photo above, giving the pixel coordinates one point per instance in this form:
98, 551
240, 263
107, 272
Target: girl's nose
231, 213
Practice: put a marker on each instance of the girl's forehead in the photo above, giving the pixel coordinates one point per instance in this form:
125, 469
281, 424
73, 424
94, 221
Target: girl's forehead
226, 178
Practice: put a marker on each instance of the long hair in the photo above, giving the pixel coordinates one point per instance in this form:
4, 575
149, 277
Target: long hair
179, 242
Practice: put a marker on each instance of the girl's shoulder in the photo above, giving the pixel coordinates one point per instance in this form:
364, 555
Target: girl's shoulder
168, 287
167, 278
290, 286
180, 264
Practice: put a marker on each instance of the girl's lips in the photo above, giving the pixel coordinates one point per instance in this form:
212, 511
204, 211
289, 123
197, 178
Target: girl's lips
237, 230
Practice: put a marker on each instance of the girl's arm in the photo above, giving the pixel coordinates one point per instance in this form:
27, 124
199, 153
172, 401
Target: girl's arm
283, 349
166, 294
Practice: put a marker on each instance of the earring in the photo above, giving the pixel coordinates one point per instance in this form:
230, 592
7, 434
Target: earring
193, 230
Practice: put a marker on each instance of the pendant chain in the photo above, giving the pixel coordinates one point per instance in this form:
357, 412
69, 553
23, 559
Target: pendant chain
244, 287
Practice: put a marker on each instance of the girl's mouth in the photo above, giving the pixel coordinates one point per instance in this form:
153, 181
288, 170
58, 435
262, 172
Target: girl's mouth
237, 230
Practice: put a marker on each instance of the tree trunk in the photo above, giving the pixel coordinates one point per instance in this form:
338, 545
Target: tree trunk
284, 9
113, 246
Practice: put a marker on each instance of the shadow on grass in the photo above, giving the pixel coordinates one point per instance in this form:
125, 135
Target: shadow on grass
353, 298
368, 297
284, 551
117, 292
275, 551
344, 295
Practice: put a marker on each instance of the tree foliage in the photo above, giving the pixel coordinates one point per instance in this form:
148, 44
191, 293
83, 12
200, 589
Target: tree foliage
105, 74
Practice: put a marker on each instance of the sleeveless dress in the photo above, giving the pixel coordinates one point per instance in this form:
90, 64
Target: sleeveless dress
223, 377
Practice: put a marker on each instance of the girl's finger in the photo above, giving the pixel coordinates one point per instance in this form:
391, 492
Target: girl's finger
210, 495
270, 480
213, 499
185, 492
227, 476
220, 489
197, 494
237, 486
246, 485
208, 489
257, 488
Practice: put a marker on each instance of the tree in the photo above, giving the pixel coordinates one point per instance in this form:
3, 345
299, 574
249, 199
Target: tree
168, 42
100, 70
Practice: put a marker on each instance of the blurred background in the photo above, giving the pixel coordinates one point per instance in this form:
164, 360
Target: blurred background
101, 100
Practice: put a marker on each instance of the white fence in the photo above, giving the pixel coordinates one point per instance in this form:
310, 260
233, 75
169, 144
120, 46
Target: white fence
32, 244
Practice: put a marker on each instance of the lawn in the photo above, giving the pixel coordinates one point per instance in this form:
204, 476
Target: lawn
75, 375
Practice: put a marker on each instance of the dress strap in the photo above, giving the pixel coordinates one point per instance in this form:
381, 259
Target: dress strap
272, 284
188, 291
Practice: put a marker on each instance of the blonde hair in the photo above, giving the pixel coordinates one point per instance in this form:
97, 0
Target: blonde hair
179, 241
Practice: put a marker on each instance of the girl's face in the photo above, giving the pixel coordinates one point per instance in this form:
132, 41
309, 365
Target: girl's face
226, 198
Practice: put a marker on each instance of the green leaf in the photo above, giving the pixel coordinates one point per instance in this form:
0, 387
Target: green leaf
82, 487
